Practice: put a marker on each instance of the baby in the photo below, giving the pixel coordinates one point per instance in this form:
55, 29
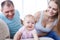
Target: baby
28, 30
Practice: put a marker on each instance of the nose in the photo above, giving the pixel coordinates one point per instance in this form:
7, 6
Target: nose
30, 24
10, 13
51, 10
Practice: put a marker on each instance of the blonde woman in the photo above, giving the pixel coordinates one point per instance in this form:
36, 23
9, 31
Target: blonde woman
48, 19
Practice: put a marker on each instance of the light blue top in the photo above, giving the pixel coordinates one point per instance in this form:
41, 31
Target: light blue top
14, 24
39, 27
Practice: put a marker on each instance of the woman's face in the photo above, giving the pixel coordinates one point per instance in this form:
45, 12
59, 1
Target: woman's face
52, 9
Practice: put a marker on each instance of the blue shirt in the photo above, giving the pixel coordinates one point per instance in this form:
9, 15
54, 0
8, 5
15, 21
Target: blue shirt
13, 24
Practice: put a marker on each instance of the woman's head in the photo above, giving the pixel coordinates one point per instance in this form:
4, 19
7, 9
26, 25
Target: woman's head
53, 8
29, 22
57, 2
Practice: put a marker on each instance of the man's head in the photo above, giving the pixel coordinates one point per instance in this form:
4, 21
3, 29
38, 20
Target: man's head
8, 9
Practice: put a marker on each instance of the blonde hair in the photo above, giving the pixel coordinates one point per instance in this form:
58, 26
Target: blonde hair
29, 16
58, 24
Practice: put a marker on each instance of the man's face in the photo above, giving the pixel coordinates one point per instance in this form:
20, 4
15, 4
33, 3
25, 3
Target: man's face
8, 11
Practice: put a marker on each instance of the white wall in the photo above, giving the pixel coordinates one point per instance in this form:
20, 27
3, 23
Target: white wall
29, 6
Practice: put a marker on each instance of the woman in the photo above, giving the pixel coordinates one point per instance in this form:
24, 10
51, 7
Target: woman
47, 20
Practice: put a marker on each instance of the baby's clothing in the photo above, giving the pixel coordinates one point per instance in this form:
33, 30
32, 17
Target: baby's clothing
25, 33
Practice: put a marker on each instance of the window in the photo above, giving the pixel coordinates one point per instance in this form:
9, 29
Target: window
29, 6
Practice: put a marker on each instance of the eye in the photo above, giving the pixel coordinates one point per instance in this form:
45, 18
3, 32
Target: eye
28, 22
32, 22
49, 7
12, 10
54, 9
7, 12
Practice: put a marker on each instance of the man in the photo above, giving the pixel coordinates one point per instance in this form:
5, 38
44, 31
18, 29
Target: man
10, 16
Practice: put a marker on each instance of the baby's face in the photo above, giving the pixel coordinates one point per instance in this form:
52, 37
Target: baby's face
29, 23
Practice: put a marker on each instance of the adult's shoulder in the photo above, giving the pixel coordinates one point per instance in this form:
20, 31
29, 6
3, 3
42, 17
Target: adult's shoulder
37, 15
17, 12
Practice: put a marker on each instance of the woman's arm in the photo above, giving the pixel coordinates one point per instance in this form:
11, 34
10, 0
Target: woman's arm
42, 34
37, 15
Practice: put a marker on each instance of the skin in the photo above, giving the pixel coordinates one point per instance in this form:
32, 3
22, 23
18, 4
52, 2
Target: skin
29, 23
52, 9
8, 11
48, 16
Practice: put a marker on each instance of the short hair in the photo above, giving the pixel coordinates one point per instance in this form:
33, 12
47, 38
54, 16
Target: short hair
29, 16
7, 2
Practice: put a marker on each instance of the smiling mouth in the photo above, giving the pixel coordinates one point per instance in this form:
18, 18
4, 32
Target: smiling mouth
30, 27
52, 14
10, 17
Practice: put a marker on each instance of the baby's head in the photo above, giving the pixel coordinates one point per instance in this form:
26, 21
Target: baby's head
29, 22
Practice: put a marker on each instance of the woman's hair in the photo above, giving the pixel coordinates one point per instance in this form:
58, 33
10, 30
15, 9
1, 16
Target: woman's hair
58, 4
58, 24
